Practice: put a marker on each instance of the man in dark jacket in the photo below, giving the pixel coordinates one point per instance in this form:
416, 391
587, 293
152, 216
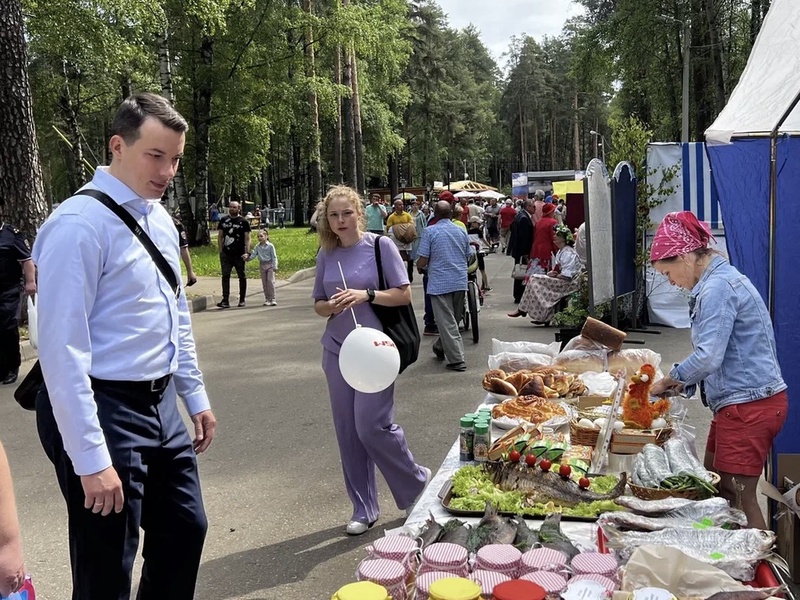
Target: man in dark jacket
521, 242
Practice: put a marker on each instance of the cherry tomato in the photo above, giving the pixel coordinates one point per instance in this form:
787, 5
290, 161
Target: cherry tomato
530, 460
545, 464
565, 471
514, 456
584, 482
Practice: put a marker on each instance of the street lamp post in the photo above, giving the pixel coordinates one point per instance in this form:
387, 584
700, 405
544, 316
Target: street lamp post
602, 143
686, 27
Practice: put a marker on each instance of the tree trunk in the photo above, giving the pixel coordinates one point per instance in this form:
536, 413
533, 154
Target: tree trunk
177, 194
21, 180
755, 20
69, 112
393, 176
350, 176
576, 137
523, 146
536, 150
358, 134
198, 232
716, 55
338, 173
314, 160
297, 189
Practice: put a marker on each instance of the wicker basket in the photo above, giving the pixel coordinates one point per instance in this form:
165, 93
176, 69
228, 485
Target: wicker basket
646, 493
582, 436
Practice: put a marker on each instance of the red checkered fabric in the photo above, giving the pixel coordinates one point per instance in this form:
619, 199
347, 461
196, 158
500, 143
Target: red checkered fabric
396, 547
425, 580
445, 557
594, 562
503, 558
608, 584
542, 559
553, 583
487, 580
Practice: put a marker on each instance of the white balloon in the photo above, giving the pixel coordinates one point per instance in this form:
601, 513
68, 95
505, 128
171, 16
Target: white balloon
369, 360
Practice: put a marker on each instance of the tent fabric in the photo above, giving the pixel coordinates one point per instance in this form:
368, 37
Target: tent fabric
623, 205
769, 82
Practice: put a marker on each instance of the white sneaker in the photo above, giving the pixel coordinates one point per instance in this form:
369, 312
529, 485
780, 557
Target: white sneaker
427, 481
358, 527
274, 303
266, 303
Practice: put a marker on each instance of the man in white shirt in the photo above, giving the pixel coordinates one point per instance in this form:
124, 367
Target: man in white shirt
116, 349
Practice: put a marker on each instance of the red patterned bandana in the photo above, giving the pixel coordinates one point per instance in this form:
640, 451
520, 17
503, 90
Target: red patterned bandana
678, 234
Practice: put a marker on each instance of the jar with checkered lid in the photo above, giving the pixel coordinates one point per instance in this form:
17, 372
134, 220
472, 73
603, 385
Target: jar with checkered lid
444, 556
391, 574
503, 558
362, 590
552, 583
396, 547
595, 563
488, 580
609, 585
542, 559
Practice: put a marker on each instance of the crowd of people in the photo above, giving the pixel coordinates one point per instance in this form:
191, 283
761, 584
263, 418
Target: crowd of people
116, 349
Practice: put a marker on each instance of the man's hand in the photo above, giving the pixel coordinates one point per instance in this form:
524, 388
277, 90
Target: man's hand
205, 426
103, 492
12, 569
666, 386
30, 288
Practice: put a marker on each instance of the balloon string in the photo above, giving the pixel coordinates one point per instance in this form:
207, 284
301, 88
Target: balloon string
352, 308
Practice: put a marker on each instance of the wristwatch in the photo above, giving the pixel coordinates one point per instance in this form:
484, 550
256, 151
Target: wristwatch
370, 296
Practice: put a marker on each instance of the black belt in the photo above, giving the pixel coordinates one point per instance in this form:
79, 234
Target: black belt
156, 386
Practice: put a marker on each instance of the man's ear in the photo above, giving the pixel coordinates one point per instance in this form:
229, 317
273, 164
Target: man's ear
115, 145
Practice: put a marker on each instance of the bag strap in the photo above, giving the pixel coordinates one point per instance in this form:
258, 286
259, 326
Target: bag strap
141, 235
379, 263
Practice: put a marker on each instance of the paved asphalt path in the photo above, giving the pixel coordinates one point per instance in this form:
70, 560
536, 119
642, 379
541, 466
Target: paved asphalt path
272, 480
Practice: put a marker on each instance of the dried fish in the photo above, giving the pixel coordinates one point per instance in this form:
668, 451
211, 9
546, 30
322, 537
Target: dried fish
733, 551
455, 532
551, 536
492, 529
431, 533
526, 537
546, 486
668, 505
721, 517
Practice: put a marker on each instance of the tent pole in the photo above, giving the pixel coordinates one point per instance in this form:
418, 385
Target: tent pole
773, 212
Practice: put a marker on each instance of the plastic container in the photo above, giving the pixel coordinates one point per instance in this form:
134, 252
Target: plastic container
488, 580
362, 590
482, 442
542, 559
447, 557
454, 588
501, 558
519, 589
466, 438
390, 574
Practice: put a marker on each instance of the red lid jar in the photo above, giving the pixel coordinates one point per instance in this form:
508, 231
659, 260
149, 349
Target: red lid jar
519, 589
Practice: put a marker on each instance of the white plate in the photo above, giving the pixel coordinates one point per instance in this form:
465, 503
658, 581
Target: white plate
498, 398
552, 423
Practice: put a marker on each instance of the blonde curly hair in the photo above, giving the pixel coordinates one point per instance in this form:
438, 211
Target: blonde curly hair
328, 240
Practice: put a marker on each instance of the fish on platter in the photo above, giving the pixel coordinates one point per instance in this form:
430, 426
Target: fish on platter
720, 517
493, 528
733, 551
752, 594
546, 486
455, 532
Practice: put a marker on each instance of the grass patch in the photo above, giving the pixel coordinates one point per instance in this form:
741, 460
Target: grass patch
296, 248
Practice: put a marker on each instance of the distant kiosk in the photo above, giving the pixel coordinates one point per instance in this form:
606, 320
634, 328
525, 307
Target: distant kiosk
525, 184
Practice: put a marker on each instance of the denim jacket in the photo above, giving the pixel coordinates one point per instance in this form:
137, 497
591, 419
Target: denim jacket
733, 340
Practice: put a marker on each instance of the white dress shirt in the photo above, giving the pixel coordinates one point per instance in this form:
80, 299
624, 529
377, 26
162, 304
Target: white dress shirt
106, 311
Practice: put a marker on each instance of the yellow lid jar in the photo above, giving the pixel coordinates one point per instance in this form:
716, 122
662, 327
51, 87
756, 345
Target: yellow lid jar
362, 590
454, 588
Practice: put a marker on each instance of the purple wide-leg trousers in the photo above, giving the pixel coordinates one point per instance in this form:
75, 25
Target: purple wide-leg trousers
368, 438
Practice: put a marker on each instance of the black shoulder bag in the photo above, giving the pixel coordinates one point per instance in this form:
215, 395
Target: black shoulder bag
399, 322
26, 392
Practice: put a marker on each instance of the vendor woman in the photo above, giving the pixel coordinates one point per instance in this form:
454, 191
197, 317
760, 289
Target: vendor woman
734, 354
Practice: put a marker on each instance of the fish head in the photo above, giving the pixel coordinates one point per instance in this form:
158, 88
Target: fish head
762, 541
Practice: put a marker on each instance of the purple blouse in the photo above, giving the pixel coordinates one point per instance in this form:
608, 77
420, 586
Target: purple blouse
361, 273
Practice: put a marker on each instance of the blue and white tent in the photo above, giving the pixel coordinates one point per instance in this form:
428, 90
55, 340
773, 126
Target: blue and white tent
762, 217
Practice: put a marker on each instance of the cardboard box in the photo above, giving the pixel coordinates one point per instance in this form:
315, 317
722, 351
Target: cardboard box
634, 436
622, 448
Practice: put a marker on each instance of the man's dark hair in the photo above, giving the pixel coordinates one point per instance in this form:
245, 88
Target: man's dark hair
136, 108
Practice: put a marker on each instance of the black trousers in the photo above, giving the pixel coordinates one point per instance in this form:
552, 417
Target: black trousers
228, 263
153, 456
519, 285
9, 330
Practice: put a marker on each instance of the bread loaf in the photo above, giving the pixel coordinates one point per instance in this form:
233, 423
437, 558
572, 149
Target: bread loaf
603, 334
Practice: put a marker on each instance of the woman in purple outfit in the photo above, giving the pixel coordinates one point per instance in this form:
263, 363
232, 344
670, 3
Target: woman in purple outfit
364, 425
